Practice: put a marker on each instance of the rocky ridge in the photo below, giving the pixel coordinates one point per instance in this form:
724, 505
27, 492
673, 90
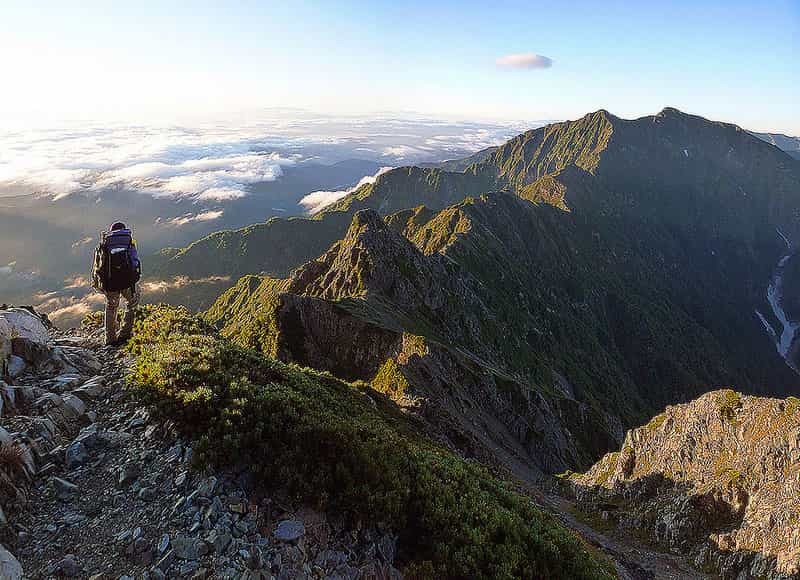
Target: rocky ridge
92, 486
717, 479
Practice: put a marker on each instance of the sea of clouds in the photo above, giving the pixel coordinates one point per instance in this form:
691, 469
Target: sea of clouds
214, 160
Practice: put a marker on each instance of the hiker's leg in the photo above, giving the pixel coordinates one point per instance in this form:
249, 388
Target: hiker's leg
112, 305
132, 296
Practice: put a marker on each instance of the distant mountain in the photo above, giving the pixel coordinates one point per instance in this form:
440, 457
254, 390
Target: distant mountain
630, 270
789, 144
670, 165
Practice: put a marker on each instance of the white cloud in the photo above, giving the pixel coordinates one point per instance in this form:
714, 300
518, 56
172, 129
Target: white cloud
178, 282
525, 60
208, 164
189, 218
317, 200
221, 158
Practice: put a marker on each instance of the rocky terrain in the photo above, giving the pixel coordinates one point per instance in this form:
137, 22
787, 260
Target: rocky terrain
92, 486
717, 479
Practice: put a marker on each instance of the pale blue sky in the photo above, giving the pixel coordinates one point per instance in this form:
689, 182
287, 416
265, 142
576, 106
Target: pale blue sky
732, 61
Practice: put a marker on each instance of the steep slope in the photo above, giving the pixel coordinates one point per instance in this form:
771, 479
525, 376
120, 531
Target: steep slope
716, 479
634, 273
523, 329
347, 449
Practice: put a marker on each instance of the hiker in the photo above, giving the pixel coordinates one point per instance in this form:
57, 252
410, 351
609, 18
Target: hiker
115, 272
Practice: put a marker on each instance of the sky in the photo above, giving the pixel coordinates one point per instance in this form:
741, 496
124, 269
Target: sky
134, 61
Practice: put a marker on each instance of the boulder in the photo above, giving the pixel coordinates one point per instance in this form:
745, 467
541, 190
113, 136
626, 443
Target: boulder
10, 568
25, 324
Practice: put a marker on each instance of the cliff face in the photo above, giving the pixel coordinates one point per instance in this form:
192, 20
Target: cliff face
717, 479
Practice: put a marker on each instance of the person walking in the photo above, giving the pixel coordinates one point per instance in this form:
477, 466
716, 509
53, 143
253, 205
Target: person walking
115, 272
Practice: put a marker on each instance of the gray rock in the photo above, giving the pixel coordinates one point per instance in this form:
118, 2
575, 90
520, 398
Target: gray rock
74, 519
128, 474
163, 544
10, 568
64, 488
290, 530
219, 540
74, 406
69, 566
185, 548
16, 366
207, 487
75, 455
92, 388
32, 352
88, 436
180, 479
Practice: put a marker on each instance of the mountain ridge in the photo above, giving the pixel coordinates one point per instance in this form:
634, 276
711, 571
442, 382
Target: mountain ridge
546, 153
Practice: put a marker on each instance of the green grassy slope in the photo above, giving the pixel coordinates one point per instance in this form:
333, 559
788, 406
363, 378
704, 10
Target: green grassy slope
348, 449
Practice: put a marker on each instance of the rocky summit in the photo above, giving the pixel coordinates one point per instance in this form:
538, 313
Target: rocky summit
717, 479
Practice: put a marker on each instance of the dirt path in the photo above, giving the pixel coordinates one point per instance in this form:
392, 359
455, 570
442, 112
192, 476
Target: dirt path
634, 562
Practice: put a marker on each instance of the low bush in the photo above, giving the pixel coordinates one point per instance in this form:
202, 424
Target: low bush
348, 449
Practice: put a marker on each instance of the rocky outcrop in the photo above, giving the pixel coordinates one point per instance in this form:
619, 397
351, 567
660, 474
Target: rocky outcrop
717, 479
93, 486
376, 308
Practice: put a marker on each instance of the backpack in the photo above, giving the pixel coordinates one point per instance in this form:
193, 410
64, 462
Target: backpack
114, 269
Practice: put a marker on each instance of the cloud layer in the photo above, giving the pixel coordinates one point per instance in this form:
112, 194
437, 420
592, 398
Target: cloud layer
525, 60
221, 159
317, 200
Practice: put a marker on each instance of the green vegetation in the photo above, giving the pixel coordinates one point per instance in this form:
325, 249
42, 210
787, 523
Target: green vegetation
610, 465
390, 380
330, 443
792, 406
656, 422
729, 401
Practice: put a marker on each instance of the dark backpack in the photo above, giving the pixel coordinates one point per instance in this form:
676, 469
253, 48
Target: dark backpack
114, 269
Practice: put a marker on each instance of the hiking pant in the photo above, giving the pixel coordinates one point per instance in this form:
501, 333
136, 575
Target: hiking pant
131, 296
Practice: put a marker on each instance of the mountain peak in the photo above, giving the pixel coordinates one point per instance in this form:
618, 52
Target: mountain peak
671, 111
